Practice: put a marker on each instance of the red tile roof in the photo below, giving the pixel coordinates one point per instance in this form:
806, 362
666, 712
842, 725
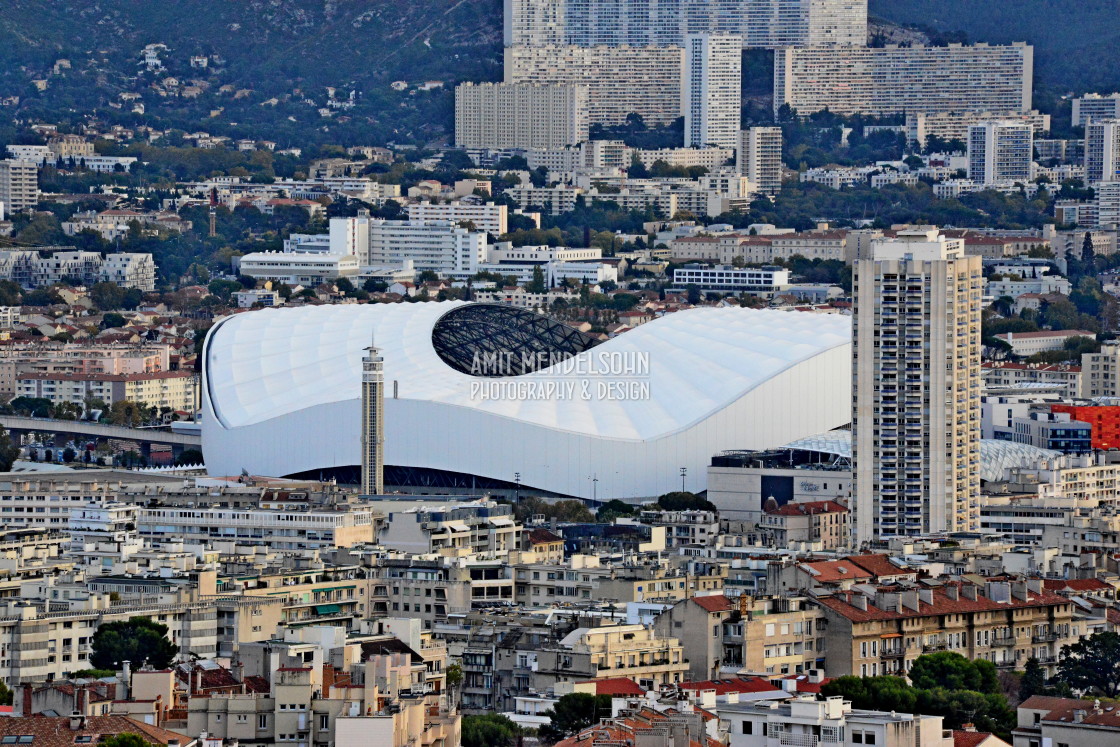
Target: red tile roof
714, 603
55, 731
879, 565
617, 686
1062, 710
1076, 584
735, 685
805, 509
942, 604
829, 571
972, 738
543, 536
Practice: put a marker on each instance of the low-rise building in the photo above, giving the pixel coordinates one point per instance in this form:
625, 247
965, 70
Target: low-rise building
175, 390
1044, 720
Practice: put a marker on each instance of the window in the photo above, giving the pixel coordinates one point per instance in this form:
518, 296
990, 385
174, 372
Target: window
262, 721
324, 721
748, 727
242, 718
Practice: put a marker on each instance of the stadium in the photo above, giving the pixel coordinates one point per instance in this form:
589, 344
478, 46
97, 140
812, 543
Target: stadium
491, 397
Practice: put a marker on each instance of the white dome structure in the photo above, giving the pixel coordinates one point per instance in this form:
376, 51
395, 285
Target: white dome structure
281, 394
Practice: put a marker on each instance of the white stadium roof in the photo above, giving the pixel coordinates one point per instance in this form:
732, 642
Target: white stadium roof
995, 455
282, 390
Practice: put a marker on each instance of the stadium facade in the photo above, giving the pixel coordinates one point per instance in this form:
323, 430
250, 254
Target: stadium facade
485, 394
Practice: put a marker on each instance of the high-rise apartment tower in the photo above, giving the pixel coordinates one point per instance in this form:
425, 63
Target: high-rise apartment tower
916, 385
759, 158
1000, 151
1102, 151
713, 93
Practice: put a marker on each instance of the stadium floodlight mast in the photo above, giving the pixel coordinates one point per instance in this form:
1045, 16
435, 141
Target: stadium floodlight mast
684, 474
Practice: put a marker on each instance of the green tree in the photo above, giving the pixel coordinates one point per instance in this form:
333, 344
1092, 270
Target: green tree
1033, 681
112, 320
1087, 254
125, 739
9, 452
5, 694
536, 285
69, 454
1092, 665
952, 671
224, 289
189, 456
684, 501
573, 713
107, 296
488, 730
139, 640
612, 509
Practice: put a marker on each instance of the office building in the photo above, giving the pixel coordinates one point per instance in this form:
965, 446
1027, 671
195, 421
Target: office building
1102, 151
620, 80
897, 80
759, 158
520, 115
440, 246
19, 185
713, 75
1093, 106
764, 24
373, 422
297, 268
916, 385
728, 279
1000, 152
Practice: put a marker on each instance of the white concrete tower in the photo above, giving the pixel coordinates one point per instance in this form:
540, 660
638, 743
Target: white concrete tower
373, 422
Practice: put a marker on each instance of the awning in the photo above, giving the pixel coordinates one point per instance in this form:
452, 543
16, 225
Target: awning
455, 527
501, 522
327, 609
891, 635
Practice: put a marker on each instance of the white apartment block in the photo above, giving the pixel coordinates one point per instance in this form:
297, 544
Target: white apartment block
491, 218
298, 269
282, 530
1091, 106
1108, 204
440, 246
954, 125
1102, 151
1100, 372
592, 155
19, 185
552, 200
767, 24
901, 80
916, 386
759, 158
806, 721
520, 115
620, 80
1000, 151
709, 158
31, 270
713, 80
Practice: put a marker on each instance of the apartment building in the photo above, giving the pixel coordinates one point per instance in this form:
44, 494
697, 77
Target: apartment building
765, 24
954, 125
433, 589
551, 200
805, 720
1000, 151
19, 185
30, 269
1102, 151
722, 636
338, 595
713, 75
759, 158
710, 158
634, 652
290, 530
56, 358
916, 385
455, 528
582, 578
1044, 720
177, 391
1100, 372
820, 524
620, 80
881, 631
440, 246
39, 645
728, 279
489, 217
897, 80
1093, 106
520, 115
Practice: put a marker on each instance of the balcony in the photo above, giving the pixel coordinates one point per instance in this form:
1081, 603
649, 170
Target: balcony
934, 646
1008, 640
1044, 637
893, 653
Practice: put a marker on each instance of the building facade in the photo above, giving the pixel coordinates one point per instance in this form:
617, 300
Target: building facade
19, 185
916, 381
897, 80
1000, 152
1102, 151
713, 84
520, 115
759, 158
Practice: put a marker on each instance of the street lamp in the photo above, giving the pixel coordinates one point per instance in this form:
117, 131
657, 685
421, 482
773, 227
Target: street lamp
684, 473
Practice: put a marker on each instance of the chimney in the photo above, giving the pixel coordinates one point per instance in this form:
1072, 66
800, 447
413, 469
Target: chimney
968, 591
1078, 716
968, 727
859, 601
1019, 591
126, 678
197, 675
926, 595
77, 721
952, 592
80, 699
